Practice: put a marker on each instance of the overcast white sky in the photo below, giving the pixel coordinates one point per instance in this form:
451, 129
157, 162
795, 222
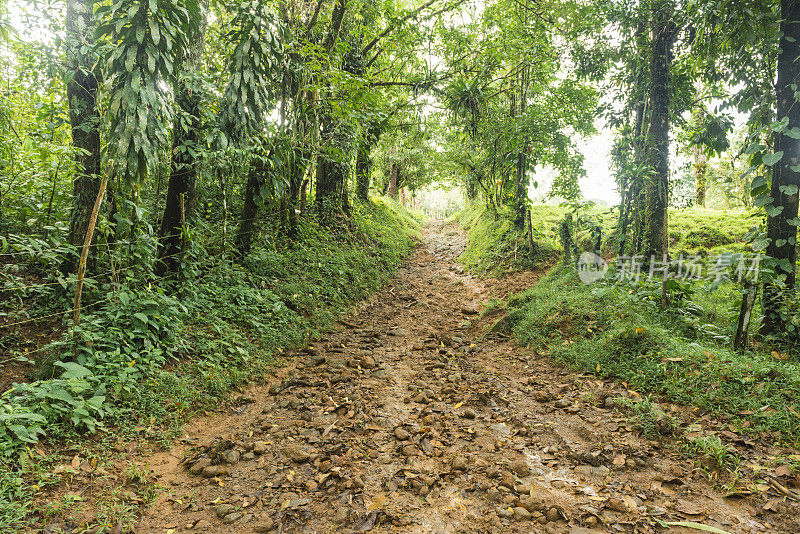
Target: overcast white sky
599, 182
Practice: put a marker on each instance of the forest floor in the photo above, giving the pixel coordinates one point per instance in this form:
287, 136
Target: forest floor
411, 416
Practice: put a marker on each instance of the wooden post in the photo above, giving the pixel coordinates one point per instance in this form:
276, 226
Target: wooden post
87, 242
742, 329
530, 231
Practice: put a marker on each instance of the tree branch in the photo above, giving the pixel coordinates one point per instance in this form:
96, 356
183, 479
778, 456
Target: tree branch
337, 16
313, 21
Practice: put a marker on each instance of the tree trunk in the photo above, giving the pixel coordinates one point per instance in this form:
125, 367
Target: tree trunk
521, 207
332, 173
297, 170
256, 179
330, 187
701, 175
362, 171
521, 192
85, 122
471, 188
394, 177
781, 230
304, 196
634, 203
657, 186
183, 172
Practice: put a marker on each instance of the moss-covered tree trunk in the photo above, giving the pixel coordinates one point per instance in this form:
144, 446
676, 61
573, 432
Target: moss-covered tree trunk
701, 176
631, 221
297, 170
394, 178
331, 186
521, 189
256, 179
362, 171
782, 224
84, 119
657, 185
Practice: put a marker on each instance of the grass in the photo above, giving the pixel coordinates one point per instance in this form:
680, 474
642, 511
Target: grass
192, 346
648, 417
495, 246
708, 447
616, 332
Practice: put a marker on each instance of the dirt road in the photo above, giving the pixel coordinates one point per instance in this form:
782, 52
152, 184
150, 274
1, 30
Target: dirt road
409, 418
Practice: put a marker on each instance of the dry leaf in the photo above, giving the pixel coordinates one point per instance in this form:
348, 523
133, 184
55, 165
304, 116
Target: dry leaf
783, 471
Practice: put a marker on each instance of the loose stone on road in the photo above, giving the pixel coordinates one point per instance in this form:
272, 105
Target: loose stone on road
409, 417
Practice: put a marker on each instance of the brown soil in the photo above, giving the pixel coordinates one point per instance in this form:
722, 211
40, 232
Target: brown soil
410, 418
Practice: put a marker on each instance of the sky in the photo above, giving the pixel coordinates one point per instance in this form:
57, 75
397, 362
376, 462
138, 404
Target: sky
599, 184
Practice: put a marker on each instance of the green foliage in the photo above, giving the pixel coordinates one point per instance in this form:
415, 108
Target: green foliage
257, 54
494, 245
229, 324
610, 330
709, 446
647, 417
14, 493
144, 39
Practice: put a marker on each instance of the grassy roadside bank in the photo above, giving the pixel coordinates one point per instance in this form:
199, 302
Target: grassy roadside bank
619, 330
612, 332
496, 246
152, 357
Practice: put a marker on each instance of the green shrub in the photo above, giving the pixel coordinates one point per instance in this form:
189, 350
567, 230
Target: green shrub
153, 348
616, 332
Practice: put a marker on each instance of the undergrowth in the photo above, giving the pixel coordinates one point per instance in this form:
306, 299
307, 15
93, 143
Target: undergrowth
157, 353
616, 332
495, 245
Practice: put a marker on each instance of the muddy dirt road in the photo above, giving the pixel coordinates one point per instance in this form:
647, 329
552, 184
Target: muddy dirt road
409, 418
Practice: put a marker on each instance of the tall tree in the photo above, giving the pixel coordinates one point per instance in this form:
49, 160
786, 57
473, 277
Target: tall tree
82, 86
663, 29
185, 146
333, 167
253, 64
782, 219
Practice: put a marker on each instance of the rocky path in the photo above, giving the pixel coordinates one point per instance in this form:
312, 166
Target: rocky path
409, 418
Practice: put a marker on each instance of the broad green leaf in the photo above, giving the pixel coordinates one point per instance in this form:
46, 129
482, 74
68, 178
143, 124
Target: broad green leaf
759, 181
763, 200
794, 133
130, 60
155, 33
772, 159
753, 148
789, 189
773, 211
